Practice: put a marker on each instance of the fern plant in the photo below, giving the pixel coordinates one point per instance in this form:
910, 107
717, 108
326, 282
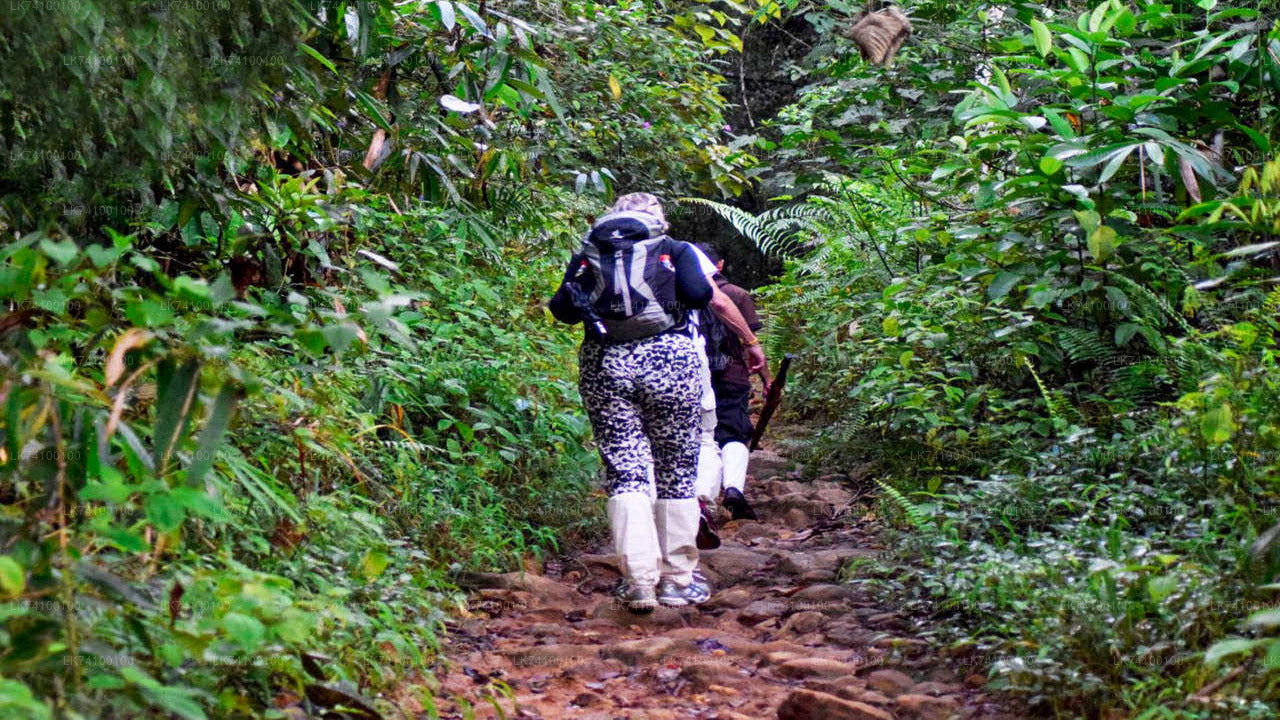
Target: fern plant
784, 231
1061, 411
913, 512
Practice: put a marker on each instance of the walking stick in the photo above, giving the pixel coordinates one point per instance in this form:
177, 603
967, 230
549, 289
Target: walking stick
771, 400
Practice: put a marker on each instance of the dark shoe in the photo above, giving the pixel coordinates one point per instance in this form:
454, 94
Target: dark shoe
738, 505
707, 537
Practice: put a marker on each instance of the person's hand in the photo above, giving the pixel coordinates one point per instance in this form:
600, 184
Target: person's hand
756, 361
765, 382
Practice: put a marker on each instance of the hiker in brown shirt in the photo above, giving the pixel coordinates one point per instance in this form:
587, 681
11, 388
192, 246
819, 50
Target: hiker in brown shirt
731, 381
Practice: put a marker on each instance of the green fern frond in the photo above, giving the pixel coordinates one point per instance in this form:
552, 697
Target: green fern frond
917, 517
1271, 304
1061, 411
785, 231
1139, 382
1084, 346
1152, 304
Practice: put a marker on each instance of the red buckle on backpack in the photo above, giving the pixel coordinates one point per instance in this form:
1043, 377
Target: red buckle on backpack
666, 262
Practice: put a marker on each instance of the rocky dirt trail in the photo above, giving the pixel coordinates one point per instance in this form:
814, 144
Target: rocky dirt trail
781, 637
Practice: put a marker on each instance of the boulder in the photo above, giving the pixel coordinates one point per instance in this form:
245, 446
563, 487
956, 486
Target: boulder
702, 675
778, 657
796, 519
761, 610
936, 688
801, 668
645, 650
890, 682
810, 705
766, 463
731, 598
538, 585
796, 563
847, 687
732, 564
927, 707
713, 641
746, 530
617, 613
826, 594
887, 621
806, 621
548, 656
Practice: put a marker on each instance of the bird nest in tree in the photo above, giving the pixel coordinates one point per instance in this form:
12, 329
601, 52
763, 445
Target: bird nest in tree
880, 34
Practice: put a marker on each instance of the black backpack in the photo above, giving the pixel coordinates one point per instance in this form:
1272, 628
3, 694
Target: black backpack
627, 277
715, 333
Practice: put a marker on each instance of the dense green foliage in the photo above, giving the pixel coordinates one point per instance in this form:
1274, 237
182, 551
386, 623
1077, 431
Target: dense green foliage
276, 367
275, 361
1049, 302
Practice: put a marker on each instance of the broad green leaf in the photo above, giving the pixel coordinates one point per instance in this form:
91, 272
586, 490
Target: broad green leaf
1264, 618
1102, 243
165, 511
199, 502
149, 313
13, 579
1043, 39
176, 387
1259, 140
371, 107
1217, 424
17, 701
1114, 164
1125, 22
63, 251
1226, 648
445, 10
111, 488
1002, 284
1088, 219
124, 539
473, 19
211, 436
340, 336
1125, 332
1161, 587
373, 564
311, 339
319, 58
1272, 659
247, 632
615, 88
1050, 165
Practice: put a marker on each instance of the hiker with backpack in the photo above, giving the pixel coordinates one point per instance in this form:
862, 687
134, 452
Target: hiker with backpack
633, 288
723, 455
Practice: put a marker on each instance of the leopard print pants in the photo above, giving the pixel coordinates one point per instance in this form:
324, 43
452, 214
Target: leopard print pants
643, 401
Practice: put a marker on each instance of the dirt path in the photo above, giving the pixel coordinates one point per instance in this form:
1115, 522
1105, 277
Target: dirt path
781, 638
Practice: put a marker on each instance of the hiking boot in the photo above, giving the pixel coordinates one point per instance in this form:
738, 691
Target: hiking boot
673, 595
639, 600
707, 538
738, 506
